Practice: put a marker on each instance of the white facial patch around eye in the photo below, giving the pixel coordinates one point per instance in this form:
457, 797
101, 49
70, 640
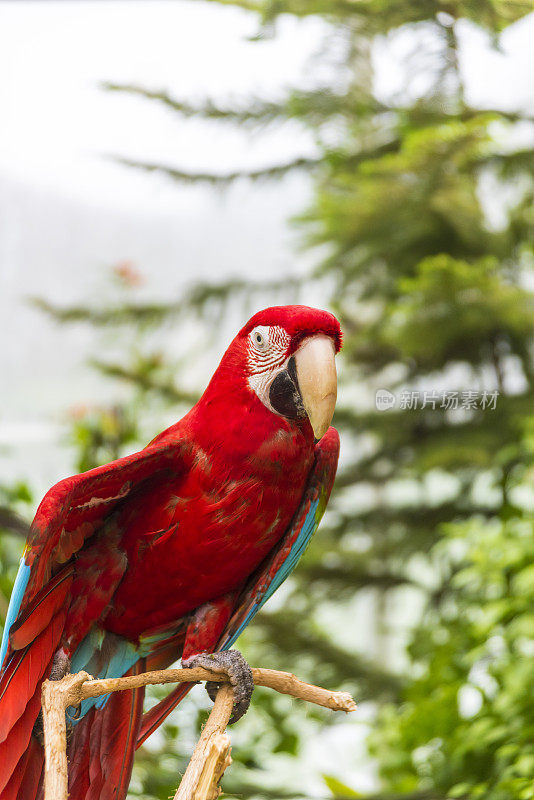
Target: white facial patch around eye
267, 348
266, 358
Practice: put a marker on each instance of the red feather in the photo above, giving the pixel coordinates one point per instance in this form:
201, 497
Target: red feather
39, 613
96, 768
167, 652
79, 756
102, 747
11, 790
24, 783
119, 737
15, 745
31, 787
76, 507
24, 671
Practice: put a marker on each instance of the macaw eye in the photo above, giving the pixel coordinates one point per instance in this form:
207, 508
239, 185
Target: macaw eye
260, 339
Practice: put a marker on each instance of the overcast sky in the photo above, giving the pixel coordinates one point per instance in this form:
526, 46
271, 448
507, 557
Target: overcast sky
57, 123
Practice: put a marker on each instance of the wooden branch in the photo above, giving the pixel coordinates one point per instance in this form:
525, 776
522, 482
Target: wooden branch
212, 753
283, 682
56, 697
287, 683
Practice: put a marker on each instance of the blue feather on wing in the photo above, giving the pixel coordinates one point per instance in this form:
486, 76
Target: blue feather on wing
310, 525
21, 581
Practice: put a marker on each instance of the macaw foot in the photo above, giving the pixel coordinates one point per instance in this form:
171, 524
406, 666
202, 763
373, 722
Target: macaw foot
232, 664
60, 666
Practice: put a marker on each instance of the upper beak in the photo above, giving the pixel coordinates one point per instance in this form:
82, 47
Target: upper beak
316, 373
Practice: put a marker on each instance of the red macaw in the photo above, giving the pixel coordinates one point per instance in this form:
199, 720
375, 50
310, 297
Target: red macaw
170, 552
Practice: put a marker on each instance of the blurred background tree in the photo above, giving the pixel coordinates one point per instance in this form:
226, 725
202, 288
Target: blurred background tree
417, 593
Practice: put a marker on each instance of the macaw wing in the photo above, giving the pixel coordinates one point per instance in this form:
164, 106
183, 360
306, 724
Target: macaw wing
70, 512
279, 564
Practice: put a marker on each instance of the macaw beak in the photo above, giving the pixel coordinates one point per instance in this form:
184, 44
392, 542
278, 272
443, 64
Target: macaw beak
317, 381
308, 385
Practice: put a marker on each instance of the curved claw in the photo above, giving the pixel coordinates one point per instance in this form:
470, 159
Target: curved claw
232, 664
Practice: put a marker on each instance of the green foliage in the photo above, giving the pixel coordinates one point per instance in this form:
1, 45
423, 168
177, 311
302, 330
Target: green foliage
465, 723
100, 434
452, 309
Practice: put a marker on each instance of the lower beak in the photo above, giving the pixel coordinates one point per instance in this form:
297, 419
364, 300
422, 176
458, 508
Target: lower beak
317, 380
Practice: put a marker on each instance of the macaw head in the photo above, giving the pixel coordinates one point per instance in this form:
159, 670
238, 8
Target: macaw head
285, 356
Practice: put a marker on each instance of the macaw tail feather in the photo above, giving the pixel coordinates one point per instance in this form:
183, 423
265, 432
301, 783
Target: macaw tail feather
102, 746
26, 781
16, 746
24, 673
20, 703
